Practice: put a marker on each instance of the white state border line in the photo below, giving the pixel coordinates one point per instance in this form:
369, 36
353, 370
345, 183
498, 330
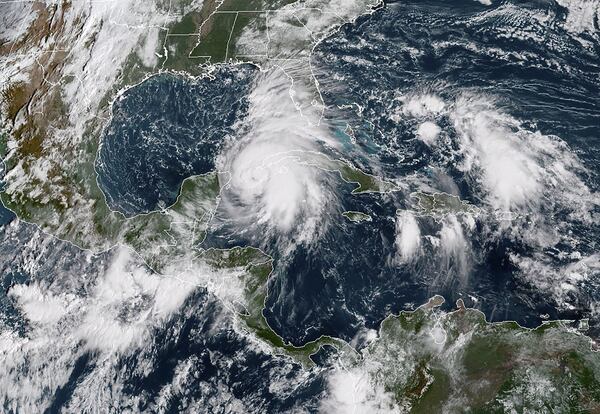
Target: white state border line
162, 70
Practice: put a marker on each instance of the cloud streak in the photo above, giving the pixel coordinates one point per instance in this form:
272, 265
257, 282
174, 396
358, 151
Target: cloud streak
272, 189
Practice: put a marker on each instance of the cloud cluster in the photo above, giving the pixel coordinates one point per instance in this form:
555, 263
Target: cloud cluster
272, 189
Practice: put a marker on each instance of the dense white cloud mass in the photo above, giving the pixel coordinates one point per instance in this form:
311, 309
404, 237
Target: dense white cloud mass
454, 246
106, 316
353, 391
515, 167
272, 188
428, 132
521, 179
408, 236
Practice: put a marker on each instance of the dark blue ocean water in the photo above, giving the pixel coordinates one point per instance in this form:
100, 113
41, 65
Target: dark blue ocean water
536, 70
171, 127
552, 85
166, 129
223, 364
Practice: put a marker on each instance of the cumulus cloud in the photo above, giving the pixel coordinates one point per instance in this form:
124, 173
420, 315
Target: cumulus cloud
408, 236
515, 167
423, 105
127, 302
509, 169
428, 132
453, 245
272, 188
109, 314
560, 282
353, 391
37, 305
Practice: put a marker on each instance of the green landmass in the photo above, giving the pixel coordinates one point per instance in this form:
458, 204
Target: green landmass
366, 183
69, 203
356, 216
457, 362
474, 366
258, 267
210, 35
440, 204
214, 45
162, 237
3, 145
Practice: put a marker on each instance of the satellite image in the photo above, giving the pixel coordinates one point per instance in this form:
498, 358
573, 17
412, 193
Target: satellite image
300, 206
